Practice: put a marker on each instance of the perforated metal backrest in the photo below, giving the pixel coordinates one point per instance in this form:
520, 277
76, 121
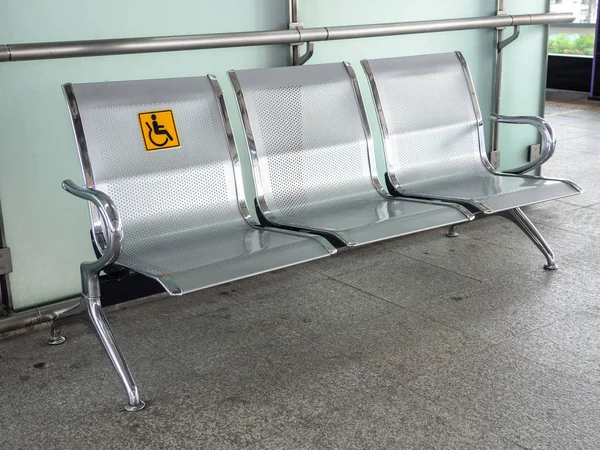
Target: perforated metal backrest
166, 192
429, 116
307, 134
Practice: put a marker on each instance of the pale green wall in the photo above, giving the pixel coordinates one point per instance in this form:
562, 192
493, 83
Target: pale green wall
47, 229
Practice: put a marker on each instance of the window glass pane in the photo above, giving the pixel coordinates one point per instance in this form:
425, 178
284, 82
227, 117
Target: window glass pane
577, 38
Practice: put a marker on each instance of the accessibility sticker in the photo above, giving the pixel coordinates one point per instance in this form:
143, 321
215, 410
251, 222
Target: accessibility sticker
158, 130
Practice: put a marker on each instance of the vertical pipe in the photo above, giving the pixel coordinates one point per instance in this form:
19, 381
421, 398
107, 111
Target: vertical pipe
294, 10
294, 18
497, 79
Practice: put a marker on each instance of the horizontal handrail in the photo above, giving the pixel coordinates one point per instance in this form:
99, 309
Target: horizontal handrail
124, 46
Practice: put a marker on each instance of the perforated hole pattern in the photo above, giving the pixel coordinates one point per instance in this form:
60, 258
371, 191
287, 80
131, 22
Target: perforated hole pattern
314, 143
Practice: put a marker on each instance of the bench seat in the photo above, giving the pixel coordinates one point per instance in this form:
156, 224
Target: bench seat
494, 193
187, 262
434, 144
368, 217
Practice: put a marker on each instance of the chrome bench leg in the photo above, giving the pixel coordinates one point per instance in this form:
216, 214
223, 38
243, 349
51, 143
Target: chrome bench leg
77, 313
90, 312
517, 216
452, 231
107, 338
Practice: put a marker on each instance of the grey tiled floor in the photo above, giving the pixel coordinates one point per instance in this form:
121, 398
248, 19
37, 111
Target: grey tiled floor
420, 342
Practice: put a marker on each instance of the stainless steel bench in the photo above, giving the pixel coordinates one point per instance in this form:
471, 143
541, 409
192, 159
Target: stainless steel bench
163, 177
174, 213
313, 158
435, 148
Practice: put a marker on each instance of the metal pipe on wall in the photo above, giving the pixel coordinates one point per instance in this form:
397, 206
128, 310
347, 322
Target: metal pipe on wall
294, 19
497, 91
106, 47
36, 316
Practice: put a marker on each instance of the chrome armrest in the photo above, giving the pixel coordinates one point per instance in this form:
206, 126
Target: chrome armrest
114, 234
548, 139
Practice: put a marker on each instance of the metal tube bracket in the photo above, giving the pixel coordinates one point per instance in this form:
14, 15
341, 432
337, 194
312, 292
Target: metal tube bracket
514, 37
295, 24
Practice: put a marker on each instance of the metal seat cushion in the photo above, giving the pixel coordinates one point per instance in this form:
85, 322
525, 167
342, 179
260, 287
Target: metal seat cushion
497, 192
369, 217
433, 138
190, 261
312, 147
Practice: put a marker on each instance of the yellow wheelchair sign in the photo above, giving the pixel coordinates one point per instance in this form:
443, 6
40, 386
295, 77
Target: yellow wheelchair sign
158, 130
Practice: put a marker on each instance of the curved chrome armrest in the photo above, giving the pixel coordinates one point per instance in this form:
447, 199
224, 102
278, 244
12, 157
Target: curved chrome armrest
114, 234
548, 139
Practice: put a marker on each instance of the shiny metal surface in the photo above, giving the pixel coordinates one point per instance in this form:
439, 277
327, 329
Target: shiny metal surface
497, 83
518, 217
35, 316
511, 39
452, 231
385, 133
125, 46
4, 53
310, 51
313, 160
433, 135
89, 311
546, 132
475, 103
294, 16
233, 153
436, 149
77, 49
84, 161
367, 130
432, 26
113, 235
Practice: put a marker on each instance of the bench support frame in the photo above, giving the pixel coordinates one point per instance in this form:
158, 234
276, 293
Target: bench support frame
518, 217
89, 309
515, 215
452, 231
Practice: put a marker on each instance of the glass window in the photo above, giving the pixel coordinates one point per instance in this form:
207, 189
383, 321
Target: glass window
574, 39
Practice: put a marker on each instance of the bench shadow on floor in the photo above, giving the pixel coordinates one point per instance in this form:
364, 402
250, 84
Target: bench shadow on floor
418, 342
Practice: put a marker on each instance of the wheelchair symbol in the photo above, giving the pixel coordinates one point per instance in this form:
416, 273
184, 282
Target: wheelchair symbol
158, 130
